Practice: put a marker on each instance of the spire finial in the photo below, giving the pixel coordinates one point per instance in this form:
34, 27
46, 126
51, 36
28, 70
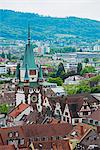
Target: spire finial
28, 34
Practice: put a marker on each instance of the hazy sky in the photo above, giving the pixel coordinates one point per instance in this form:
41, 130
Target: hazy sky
60, 8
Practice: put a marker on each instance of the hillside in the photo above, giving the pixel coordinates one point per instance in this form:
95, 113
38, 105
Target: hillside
14, 25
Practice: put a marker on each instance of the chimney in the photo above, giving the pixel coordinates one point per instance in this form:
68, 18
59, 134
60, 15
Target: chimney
59, 146
98, 129
67, 144
81, 130
54, 146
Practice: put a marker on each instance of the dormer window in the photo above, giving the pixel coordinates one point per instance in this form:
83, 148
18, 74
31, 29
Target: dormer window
22, 141
96, 122
10, 134
16, 134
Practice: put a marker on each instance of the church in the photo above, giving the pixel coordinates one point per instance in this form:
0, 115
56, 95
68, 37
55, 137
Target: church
29, 79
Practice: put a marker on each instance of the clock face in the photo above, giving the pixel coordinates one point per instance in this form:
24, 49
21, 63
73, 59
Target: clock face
33, 98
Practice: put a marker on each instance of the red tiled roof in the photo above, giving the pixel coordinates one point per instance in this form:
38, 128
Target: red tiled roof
20, 108
47, 129
80, 130
39, 131
7, 147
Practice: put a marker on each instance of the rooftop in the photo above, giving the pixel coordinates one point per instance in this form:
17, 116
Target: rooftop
16, 111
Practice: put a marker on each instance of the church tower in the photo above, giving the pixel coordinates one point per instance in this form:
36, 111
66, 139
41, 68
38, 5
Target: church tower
29, 78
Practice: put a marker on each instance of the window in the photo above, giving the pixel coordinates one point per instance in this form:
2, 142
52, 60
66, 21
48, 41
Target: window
67, 119
85, 107
16, 134
76, 121
96, 122
21, 141
10, 141
64, 118
43, 138
32, 72
10, 134
85, 113
66, 113
91, 121
57, 138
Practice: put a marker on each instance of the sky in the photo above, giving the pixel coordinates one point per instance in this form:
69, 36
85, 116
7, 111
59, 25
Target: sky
57, 8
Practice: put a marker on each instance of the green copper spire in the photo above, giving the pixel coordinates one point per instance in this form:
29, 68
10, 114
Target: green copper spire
26, 77
29, 34
40, 75
29, 55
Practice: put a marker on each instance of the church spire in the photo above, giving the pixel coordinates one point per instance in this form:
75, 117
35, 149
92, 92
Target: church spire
29, 55
29, 38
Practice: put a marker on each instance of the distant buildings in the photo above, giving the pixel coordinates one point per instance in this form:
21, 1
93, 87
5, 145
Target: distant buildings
96, 48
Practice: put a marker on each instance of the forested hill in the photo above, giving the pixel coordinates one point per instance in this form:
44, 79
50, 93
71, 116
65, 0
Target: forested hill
14, 25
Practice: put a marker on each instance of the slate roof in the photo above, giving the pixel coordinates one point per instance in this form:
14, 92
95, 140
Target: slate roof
95, 115
91, 138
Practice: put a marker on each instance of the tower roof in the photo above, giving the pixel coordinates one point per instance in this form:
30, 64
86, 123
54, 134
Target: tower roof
26, 77
40, 76
29, 55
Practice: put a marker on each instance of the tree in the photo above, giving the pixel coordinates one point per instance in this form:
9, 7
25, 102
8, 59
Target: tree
95, 60
79, 68
3, 55
9, 72
57, 80
9, 56
4, 108
87, 69
61, 71
86, 60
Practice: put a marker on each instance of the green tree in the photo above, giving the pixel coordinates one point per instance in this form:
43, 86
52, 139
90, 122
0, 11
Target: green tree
95, 60
9, 72
4, 108
86, 60
3, 55
79, 68
57, 80
87, 69
9, 56
61, 72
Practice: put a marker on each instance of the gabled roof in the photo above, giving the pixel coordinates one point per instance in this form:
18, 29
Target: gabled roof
18, 110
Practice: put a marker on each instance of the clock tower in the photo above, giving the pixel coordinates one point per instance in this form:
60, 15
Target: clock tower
29, 79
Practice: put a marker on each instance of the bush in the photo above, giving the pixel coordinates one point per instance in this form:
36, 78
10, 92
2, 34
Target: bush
57, 80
